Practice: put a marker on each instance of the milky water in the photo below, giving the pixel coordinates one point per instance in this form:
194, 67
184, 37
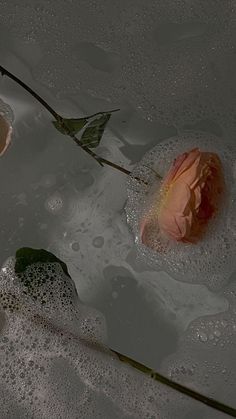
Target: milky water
170, 67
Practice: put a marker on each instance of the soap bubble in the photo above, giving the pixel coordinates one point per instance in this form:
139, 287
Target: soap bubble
54, 203
211, 261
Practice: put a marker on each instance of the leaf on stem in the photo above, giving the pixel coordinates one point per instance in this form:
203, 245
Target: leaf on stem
94, 127
70, 126
93, 133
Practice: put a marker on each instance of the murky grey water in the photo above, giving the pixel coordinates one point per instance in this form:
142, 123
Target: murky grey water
170, 67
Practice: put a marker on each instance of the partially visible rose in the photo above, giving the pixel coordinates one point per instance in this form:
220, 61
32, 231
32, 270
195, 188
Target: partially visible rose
5, 134
189, 198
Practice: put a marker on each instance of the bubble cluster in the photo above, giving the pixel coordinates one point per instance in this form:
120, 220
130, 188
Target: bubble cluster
62, 204
173, 62
54, 203
94, 226
205, 357
211, 261
53, 358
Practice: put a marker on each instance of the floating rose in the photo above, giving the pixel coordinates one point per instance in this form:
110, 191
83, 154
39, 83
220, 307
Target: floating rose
189, 198
183, 223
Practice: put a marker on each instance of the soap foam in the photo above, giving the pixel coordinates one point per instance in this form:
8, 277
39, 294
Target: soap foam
174, 60
53, 358
205, 359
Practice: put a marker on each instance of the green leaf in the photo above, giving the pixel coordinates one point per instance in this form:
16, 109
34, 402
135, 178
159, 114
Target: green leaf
26, 256
94, 130
93, 133
71, 125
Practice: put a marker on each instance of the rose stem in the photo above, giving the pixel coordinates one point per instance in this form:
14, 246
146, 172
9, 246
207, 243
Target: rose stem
59, 118
178, 387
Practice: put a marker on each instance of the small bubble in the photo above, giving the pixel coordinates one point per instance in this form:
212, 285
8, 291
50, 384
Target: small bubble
202, 337
98, 241
75, 246
217, 333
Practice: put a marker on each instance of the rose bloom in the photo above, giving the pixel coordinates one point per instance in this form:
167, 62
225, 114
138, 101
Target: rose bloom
189, 198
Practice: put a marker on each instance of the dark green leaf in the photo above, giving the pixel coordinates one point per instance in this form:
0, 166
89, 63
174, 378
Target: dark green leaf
72, 125
93, 133
26, 256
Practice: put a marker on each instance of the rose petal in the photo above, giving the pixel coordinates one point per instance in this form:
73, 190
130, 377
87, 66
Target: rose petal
181, 164
188, 199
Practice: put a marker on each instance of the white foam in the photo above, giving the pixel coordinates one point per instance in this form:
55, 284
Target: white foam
53, 359
181, 302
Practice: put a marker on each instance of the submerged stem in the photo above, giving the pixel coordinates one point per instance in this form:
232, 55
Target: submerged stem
59, 118
208, 401
176, 386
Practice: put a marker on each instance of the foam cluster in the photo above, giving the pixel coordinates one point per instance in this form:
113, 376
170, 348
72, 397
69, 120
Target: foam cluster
53, 360
205, 359
211, 261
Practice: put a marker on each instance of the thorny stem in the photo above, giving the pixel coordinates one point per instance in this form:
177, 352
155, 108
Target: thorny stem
59, 118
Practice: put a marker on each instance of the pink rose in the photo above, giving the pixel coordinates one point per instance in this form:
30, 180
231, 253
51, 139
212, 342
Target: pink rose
189, 198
